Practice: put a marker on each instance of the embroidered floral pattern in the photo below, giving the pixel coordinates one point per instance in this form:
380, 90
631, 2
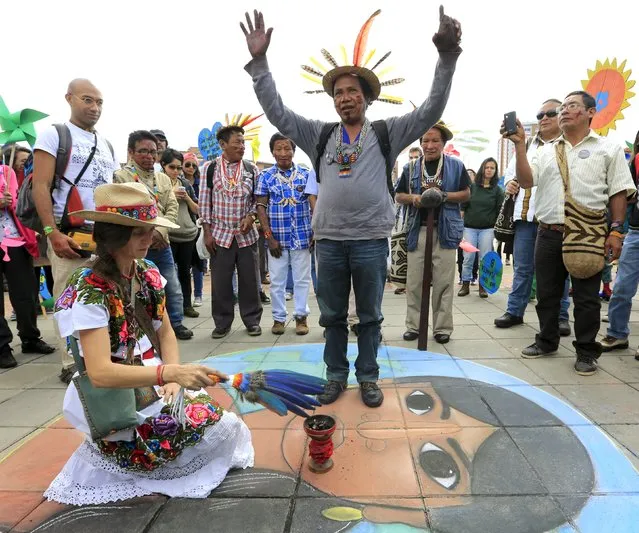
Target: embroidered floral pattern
86, 287
137, 212
161, 439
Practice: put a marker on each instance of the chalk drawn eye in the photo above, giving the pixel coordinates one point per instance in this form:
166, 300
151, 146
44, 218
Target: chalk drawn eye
419, 403
439, 466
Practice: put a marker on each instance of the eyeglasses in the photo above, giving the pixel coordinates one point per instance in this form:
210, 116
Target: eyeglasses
550, 114
144, 151
89, 101
174, 167
189, 165
572, 106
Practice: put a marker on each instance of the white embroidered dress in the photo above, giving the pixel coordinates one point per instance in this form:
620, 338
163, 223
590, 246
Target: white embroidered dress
91, 477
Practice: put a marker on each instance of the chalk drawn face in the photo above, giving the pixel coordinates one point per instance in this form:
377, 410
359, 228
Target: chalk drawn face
453, 440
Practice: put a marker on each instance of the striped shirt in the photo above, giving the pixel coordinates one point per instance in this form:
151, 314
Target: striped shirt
225, 206
289, 211
597, 170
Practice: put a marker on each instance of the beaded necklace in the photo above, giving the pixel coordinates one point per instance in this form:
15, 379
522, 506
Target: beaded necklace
427, 179
290, 182
229, 184
344, 160
154, 191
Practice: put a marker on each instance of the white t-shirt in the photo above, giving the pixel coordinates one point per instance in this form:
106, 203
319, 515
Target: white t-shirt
100, 170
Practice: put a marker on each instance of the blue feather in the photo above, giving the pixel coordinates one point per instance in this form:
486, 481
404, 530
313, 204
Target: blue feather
295, 409
307, 402
272, 402
295, 386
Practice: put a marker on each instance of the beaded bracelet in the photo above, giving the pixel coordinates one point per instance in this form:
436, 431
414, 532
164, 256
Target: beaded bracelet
159, 373
268, 234
617, 234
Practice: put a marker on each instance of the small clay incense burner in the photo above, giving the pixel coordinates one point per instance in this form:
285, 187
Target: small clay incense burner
320, 429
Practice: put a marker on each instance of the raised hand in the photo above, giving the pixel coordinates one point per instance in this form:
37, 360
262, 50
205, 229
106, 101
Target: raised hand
257, 39
449, 35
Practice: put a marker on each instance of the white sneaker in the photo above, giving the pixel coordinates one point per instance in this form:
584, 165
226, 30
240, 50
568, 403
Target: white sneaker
197, 301
288, 296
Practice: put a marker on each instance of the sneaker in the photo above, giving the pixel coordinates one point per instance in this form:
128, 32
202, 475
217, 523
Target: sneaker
372, 395
474, 281
191, 313
37, 346
332, 391
182, 333
564, 328
254, 331
288, 296
66, 374
605, 318
197, 301
507, 263
585, 367
535, 352
442, 338
7, 360
13, 317
264, 298
278, 328
219, 333
400, 291
609, 343
507, 320
301, 327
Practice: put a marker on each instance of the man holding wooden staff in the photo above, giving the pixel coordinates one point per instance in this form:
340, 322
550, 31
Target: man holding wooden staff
437, 183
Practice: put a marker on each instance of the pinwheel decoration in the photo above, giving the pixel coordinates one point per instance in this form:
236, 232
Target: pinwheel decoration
209, 146
280, 391
18, 126
610, 85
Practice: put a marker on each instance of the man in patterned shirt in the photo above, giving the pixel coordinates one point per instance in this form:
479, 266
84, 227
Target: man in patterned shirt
227, 211
285, 217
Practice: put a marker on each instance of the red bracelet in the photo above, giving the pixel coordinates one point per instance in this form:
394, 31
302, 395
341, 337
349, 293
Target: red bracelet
267, 234
159, 373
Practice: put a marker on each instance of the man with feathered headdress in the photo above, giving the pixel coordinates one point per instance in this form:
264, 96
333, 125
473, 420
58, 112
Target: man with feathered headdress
354, 214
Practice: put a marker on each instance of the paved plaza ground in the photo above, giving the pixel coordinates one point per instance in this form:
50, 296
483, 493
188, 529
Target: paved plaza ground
471, 437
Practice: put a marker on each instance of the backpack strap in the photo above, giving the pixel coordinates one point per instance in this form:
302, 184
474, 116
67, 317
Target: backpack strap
327, 129
210, 171
63, 155
381, 130
110, 148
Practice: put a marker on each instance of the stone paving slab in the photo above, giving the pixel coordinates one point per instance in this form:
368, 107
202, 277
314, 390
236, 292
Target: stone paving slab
471, 437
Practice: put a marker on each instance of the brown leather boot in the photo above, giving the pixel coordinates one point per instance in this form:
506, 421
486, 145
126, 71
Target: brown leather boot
465, 289
482, 292
301, 326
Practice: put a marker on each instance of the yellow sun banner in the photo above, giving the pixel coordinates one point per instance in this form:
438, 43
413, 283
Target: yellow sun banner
610, 85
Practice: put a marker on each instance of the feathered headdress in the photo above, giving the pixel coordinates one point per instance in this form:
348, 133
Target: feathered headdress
319, 73
209, 146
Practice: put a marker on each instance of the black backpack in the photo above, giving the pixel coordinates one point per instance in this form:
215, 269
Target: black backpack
381, 130
25, 206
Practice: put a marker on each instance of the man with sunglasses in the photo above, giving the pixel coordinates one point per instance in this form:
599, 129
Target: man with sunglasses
598, 178
526, 228
91, 162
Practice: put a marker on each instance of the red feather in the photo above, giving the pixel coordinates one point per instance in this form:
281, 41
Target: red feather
252, 120
362, 39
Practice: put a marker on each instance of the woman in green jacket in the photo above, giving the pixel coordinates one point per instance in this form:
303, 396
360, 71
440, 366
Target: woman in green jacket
480, 215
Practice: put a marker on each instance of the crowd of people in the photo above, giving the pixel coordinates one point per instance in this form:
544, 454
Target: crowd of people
121, 235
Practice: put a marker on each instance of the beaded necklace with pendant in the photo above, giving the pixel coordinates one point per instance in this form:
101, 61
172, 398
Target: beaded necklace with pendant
290, 182
229, 184
434, 180
344, 160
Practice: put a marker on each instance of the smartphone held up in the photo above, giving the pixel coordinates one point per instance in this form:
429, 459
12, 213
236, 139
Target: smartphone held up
510, 123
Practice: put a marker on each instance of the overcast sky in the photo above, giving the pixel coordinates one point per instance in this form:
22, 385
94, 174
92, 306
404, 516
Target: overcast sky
178, 65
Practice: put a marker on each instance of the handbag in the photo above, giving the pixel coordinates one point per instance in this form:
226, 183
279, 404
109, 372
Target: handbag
505, 225
585, 229
398, 247
110, 410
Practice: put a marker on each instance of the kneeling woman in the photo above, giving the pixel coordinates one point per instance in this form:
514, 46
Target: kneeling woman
135, 444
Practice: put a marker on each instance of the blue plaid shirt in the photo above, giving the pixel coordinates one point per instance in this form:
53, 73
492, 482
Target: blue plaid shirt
289, 212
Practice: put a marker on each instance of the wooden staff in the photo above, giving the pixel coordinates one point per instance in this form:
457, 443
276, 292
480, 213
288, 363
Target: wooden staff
422, 341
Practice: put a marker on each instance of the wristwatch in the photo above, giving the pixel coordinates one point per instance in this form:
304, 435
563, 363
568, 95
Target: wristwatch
617, 226
47, 230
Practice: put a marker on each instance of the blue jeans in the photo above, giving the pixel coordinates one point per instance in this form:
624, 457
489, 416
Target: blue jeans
524, 270
479, 238
337, 263
198, 280
163, 259
625, 287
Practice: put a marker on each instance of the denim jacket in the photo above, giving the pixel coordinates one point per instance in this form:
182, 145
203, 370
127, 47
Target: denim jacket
450, 223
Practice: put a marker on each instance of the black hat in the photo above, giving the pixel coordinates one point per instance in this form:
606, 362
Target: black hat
159, 134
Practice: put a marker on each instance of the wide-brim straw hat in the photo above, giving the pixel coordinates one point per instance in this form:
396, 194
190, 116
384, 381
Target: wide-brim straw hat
328, 81
125, 204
